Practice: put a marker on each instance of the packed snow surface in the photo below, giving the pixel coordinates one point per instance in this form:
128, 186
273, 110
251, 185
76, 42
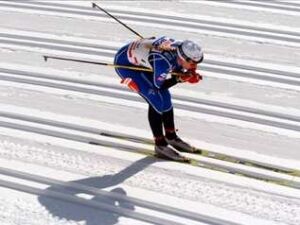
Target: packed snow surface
246, 106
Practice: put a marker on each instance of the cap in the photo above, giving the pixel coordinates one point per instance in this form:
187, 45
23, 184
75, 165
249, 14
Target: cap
190, 51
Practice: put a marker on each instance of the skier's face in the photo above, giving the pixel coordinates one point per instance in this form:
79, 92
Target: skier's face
189, 65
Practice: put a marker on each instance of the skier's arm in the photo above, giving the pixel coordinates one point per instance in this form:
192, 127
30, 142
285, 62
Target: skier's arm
169, 83
190, 76
161, 68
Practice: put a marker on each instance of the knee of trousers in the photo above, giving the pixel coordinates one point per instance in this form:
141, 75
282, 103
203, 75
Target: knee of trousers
167, 102
160, 102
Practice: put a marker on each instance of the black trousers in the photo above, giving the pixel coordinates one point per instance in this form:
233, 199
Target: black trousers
159, 121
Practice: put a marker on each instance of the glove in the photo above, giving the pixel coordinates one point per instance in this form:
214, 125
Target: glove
166, 46
183, 77
195, 78
190, 77
131, 84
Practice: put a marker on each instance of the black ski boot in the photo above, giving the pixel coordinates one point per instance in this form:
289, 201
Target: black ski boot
166, 152
163, 151
182, 146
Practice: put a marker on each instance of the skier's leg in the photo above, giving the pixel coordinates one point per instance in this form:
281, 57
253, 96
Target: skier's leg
168, 114
161, 145
169, 124
155, 121
171, 136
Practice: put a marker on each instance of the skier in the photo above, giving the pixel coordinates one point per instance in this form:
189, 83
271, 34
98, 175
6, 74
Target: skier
163, 56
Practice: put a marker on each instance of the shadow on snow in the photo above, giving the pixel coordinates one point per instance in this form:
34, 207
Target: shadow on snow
92, 216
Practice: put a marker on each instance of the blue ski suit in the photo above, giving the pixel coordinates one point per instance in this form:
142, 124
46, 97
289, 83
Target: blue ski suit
148, 53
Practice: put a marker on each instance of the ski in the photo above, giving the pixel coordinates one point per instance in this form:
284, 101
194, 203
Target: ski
206, 165
181, 159
211, 154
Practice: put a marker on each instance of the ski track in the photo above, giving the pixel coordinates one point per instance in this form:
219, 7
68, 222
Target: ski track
66, 131
274, 6
272, 119
21, 211
231, 70
32, 192
175, 22
245, 117
181, 185
39, 43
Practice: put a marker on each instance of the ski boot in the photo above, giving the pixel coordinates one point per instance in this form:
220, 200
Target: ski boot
182, 146
166, 152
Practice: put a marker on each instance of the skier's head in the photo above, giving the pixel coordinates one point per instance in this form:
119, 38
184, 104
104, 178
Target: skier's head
189, 54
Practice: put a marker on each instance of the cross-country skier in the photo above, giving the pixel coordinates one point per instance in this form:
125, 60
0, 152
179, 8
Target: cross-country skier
164, 56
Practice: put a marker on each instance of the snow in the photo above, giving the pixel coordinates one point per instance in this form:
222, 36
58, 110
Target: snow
49, 172
255, 7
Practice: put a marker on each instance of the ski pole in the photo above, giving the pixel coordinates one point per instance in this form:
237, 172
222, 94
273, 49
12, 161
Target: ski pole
98, 63
98, 7
104, 64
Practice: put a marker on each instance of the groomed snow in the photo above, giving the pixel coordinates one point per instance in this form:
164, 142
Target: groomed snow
50, 174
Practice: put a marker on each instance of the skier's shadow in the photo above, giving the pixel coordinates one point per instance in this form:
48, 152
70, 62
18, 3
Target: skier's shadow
92, 216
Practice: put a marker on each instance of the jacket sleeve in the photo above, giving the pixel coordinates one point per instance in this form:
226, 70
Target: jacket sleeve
169, 83
161, 68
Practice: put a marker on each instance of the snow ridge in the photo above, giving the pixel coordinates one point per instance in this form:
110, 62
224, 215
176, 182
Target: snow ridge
246, 106
279, 209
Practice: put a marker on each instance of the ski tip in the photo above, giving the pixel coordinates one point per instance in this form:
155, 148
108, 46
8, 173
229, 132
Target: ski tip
295, 173
187, 160
183, 160
94, 5
180, 159
94, 143
197, 151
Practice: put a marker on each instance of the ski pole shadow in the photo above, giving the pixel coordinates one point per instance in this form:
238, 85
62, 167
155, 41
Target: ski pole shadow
92, 216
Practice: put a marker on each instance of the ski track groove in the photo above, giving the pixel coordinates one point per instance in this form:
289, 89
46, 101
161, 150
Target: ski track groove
273, 4
200, 105
245, 71
27, 213
249, 172
280, 209
224, 195
81, 188
102, 47
269, 5
291, 38
89, 203
96, 141
90, 130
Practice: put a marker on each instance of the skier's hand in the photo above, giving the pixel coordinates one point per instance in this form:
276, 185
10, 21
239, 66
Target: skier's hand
190, 77
195, 78
166, 46
131, 84
184, 77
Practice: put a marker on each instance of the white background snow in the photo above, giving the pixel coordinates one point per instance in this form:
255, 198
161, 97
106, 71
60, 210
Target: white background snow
40, 173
